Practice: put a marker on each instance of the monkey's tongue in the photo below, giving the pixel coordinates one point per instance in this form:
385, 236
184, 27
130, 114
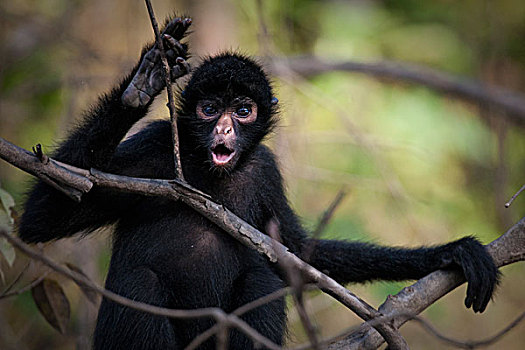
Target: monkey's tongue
222, 155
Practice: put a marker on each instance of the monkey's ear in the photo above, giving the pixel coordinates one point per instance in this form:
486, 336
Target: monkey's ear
274, 101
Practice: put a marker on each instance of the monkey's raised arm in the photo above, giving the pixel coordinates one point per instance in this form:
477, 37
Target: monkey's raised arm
93, 143
49, 214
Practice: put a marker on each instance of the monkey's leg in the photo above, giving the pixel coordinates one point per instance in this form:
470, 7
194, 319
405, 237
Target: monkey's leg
120, 327
269, 319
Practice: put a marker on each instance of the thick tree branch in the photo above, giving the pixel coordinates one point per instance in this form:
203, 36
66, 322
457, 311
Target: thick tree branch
507, 249
412, 300
249, 236
474, 91
50, 171
216, 213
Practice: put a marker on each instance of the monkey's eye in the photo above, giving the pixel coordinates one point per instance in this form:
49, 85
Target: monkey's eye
243, 111
209, 110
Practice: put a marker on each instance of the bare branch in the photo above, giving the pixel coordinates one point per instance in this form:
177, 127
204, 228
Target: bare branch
72, 184
469, 344
507, 249
329, 212
222, 336
26, 288
351, 330
201, 338
249, 236
471, 90
427, 326
219, 215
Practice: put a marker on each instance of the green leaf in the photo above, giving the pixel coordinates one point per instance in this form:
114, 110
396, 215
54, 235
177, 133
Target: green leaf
8, 203
52, 303
7, 219
7, 250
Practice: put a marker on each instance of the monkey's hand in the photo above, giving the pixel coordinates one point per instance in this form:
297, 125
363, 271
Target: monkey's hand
478, 267
148, 80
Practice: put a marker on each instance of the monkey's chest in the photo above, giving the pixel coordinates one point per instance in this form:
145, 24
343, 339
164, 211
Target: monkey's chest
176, 238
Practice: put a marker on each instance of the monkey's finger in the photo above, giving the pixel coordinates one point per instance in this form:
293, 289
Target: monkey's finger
177, 27
134, 97
490, 278
472, 280
172, 25
182, 68
173, 44
484, 288
181, 62
186, 23
181, 28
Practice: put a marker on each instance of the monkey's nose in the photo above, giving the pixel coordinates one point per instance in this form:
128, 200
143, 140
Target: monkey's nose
224, 130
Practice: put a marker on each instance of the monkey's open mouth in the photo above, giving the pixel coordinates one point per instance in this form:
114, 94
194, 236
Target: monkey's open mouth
222, 154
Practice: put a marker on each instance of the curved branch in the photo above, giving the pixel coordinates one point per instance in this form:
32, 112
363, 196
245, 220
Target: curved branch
412, 300
216, 213
50, 171
474, 91
469, 344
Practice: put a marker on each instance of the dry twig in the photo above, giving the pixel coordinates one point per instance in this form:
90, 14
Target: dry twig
514, 196
167, 79
329, 212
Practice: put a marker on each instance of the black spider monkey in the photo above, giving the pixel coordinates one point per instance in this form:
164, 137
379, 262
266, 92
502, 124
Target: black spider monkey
166, 254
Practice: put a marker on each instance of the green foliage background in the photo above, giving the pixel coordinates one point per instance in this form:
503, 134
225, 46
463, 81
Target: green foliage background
453, 165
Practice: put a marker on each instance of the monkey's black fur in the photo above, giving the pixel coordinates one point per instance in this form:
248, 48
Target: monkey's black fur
166, 254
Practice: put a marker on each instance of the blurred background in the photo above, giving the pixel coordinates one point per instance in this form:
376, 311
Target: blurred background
419, 167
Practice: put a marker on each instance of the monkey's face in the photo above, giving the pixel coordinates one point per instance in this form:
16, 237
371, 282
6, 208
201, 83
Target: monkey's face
225, 111
225, 141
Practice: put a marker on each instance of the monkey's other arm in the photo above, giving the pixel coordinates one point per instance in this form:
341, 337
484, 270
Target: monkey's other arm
359, 262
50, 214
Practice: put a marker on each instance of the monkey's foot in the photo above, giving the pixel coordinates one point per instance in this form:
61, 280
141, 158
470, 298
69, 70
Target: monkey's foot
148, 80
